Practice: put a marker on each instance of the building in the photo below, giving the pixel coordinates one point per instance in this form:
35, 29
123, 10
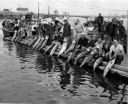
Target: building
22, 10
6, 11
56, 12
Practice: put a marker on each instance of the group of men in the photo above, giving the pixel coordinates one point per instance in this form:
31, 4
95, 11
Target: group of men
104, 48
83, 45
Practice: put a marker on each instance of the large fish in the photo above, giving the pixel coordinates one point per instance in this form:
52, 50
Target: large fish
33, 42
89, 57
71, 48
44, 43
14, 36
97, 62
81, 55
49, 47
64, 47
108, 66
86, 60
30, 40
54, 48
40, 43
37, 42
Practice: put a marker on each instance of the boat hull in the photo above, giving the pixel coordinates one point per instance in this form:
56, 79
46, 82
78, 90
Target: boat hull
7, 33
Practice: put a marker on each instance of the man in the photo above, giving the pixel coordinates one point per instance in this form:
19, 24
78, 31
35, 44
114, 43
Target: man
105, 52
112, 28
123, 35
66, 35
79, 29
89, 45
81, 46
116, 56
66, 29
116, 51
100, 21
95, 51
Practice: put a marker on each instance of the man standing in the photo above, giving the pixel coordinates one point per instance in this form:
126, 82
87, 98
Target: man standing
79, 29
66, 30
100, 21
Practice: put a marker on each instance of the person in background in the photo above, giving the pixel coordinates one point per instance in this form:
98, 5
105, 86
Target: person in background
4, 23
116, 51
123, 35
66, 29
112, 29
100, 21
66, 35
79, 29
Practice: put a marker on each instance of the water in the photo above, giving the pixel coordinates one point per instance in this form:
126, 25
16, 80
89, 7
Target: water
28, 76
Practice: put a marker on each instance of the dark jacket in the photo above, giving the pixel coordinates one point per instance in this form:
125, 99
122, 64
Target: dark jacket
83, 42
67, 30
111, 29
100, 20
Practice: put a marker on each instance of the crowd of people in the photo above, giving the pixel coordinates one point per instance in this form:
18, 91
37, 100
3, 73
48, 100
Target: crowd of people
78, 41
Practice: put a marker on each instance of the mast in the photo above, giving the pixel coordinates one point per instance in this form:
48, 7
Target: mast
38, 10
127, 32
48, 10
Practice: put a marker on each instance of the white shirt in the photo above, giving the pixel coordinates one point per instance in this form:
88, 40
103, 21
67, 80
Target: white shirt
118, 49
99, 45
79, 28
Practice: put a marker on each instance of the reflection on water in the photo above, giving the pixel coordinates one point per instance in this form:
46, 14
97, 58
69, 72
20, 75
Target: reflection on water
72, 79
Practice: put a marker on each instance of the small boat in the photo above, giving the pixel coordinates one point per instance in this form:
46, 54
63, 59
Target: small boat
8, 34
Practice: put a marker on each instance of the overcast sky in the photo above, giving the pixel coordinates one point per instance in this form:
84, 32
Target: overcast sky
80, 7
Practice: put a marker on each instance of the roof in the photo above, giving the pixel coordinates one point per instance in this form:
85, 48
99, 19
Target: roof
22, 9
5, 9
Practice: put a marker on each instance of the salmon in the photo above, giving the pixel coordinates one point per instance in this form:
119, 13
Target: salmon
54, 48
44, 43
108, 66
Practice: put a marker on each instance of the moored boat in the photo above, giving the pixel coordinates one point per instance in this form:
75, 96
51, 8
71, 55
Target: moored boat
8, 34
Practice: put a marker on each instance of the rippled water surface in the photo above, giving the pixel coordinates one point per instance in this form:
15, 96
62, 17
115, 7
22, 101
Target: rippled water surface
29, 76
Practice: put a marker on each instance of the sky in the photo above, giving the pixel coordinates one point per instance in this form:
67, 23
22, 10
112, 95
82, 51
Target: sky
77, 7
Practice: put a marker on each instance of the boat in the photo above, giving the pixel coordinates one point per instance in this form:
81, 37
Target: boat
8, 34
117, 69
